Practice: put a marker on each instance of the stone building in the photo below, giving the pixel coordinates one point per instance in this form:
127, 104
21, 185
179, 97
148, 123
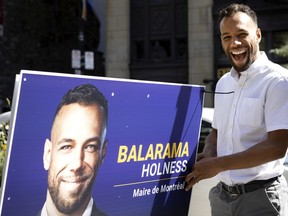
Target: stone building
162, 40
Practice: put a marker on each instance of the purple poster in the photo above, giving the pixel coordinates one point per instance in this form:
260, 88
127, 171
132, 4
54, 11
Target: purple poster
144, 146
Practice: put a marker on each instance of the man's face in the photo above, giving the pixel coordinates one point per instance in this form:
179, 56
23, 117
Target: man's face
73, 156
240, 39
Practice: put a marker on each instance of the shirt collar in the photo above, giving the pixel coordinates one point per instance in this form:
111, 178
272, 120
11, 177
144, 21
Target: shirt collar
88, 210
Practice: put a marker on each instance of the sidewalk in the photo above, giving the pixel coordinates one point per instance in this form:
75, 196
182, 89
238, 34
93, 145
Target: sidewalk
199, 204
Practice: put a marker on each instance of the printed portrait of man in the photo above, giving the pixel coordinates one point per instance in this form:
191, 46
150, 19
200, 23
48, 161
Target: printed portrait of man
75, 152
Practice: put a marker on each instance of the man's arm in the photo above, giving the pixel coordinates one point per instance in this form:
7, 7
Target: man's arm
273, 148
210, 147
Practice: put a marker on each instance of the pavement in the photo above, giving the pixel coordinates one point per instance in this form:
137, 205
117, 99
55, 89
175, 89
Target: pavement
199, 203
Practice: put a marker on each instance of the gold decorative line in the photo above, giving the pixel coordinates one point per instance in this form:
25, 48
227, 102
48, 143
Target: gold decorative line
143, 182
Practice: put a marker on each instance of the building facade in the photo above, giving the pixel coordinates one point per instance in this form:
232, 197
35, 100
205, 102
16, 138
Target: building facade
205, 60
158, 40
191, 64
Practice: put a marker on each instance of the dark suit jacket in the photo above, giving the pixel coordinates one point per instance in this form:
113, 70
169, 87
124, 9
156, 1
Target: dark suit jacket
95, 211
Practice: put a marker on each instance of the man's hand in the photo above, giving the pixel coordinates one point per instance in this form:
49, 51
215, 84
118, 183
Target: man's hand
206, 166
203, 169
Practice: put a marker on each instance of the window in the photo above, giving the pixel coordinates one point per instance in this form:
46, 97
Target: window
159, 40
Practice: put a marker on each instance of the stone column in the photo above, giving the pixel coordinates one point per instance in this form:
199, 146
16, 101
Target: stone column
200, 42
117, 39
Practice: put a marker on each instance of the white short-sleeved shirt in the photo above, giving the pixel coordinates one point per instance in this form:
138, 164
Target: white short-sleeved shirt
258, 104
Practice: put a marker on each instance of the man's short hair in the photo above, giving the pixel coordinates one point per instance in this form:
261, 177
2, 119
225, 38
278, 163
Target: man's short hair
86, 94
234, 8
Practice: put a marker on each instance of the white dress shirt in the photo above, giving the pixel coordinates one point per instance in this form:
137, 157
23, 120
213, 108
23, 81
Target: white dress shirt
258, 104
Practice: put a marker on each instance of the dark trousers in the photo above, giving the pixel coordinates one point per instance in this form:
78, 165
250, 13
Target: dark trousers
271, 200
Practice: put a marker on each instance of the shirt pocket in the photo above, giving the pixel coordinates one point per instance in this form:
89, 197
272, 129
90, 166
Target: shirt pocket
251, 112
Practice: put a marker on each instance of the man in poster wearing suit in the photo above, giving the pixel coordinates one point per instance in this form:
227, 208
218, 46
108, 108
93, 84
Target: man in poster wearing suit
75, 152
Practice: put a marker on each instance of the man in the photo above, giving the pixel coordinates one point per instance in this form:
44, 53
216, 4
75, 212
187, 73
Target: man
249, 139
75, 152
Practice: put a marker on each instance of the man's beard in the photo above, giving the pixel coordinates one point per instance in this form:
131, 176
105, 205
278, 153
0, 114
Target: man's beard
251, 52
75, 201
242, 67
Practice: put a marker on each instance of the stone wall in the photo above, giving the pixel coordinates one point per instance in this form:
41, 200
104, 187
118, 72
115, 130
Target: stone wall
117, 39
200, 25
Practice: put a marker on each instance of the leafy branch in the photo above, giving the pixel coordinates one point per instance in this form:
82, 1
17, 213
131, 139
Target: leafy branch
282, 51
4, 128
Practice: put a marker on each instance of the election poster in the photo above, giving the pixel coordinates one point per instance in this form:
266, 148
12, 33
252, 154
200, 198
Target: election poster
128, 156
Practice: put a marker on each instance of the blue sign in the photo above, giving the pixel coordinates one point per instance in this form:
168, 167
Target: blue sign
153, 131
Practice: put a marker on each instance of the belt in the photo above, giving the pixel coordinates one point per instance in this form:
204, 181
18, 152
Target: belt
246, 188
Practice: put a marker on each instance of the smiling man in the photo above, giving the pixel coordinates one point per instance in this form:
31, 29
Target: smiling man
75, 152
249, 139
240, 37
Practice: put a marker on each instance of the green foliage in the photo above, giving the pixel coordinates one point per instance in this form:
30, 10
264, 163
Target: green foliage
4, 128
282, 51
